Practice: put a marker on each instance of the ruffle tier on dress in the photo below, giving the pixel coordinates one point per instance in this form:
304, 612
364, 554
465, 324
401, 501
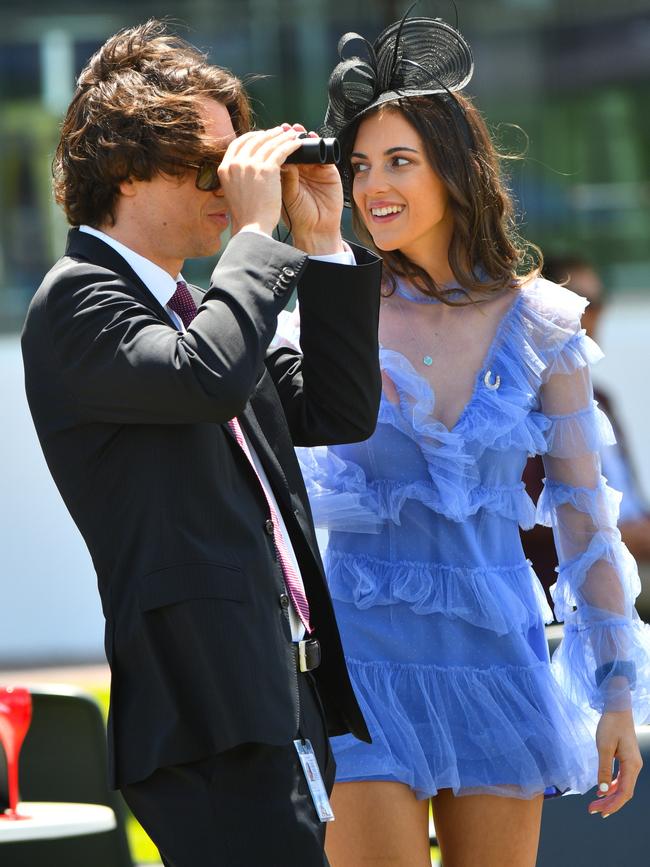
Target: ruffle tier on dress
500, 730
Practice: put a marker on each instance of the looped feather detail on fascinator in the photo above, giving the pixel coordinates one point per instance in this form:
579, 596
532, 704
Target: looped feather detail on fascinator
412, 57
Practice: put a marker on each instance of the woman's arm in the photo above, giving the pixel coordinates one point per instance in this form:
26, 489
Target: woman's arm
604, 658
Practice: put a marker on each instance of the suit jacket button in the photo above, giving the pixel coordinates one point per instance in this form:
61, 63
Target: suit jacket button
284, 601
268, 526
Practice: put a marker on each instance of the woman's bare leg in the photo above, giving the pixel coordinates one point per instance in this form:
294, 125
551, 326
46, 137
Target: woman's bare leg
486, 829
378, 823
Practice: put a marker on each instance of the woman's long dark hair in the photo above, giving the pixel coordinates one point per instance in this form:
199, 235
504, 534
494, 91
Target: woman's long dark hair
486, 253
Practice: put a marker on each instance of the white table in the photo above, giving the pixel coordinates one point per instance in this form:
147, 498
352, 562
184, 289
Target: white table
47, 821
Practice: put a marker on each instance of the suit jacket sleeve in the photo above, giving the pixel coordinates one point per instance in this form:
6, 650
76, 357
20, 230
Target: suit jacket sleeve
330, 392
121, 363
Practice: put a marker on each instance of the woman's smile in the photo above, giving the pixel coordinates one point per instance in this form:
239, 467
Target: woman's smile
385, 212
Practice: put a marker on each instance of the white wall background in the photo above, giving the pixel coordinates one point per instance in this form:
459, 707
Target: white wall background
49, 606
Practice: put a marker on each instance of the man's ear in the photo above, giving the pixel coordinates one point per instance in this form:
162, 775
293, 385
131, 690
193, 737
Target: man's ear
128, 188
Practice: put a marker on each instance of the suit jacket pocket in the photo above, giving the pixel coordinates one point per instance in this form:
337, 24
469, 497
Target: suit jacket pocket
183, 582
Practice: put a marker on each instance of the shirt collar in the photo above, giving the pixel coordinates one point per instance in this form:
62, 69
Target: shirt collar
161, 284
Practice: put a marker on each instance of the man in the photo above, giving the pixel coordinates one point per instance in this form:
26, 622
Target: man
578, 275
169, 431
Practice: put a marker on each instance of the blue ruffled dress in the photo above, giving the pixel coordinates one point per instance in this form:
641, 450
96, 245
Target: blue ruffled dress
441, 615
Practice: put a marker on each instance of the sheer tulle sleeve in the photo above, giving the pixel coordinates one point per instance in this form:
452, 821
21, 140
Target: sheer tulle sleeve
604, 659
338, 493
339, 496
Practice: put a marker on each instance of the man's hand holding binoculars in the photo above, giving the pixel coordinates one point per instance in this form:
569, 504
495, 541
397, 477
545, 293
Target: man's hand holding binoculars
259, 183
313, 201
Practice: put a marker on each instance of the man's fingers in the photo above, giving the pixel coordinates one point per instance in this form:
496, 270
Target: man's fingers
273, 145
246, 145
277, 150
261, 142
267, 149
264, 145
250, 176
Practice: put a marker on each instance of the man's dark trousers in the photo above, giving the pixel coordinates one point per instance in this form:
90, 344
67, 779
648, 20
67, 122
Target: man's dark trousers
233, 809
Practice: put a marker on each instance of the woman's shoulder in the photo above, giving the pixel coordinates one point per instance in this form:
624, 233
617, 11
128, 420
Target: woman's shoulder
551, 328
554, 303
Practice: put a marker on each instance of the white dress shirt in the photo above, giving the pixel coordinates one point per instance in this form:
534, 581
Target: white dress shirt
162, 286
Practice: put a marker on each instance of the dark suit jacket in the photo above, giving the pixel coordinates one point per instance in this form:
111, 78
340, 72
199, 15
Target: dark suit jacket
130, 415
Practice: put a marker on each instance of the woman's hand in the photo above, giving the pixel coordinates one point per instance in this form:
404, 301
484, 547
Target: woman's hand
312, 196
616, 738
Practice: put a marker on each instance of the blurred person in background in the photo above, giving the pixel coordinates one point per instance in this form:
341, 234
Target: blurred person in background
169, 431
579, 275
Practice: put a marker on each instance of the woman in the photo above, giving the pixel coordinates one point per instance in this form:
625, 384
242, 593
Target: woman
442, 619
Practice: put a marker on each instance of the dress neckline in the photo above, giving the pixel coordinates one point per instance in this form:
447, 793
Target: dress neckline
484, 367
452, 291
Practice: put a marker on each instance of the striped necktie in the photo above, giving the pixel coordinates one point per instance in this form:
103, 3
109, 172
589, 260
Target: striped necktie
292, 580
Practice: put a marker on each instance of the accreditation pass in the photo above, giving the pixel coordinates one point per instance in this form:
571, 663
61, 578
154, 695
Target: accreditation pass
314, 779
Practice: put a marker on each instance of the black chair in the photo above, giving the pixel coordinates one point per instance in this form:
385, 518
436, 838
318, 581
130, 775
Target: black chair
64, 759
572, 838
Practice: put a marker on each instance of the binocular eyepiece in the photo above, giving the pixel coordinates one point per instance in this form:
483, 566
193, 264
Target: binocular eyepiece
317, 151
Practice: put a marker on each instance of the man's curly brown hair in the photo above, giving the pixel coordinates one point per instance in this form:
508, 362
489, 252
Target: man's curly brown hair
135, 114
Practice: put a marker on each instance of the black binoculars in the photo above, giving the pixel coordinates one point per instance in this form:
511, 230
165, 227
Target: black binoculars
316, 150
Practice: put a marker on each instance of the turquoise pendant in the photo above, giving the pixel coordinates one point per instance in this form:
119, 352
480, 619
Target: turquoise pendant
428, 360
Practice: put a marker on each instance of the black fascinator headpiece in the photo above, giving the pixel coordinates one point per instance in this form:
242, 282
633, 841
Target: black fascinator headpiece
412, 57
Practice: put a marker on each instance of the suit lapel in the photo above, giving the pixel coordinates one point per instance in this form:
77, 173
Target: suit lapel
266, 426
87, 247
261, 408
272, 467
